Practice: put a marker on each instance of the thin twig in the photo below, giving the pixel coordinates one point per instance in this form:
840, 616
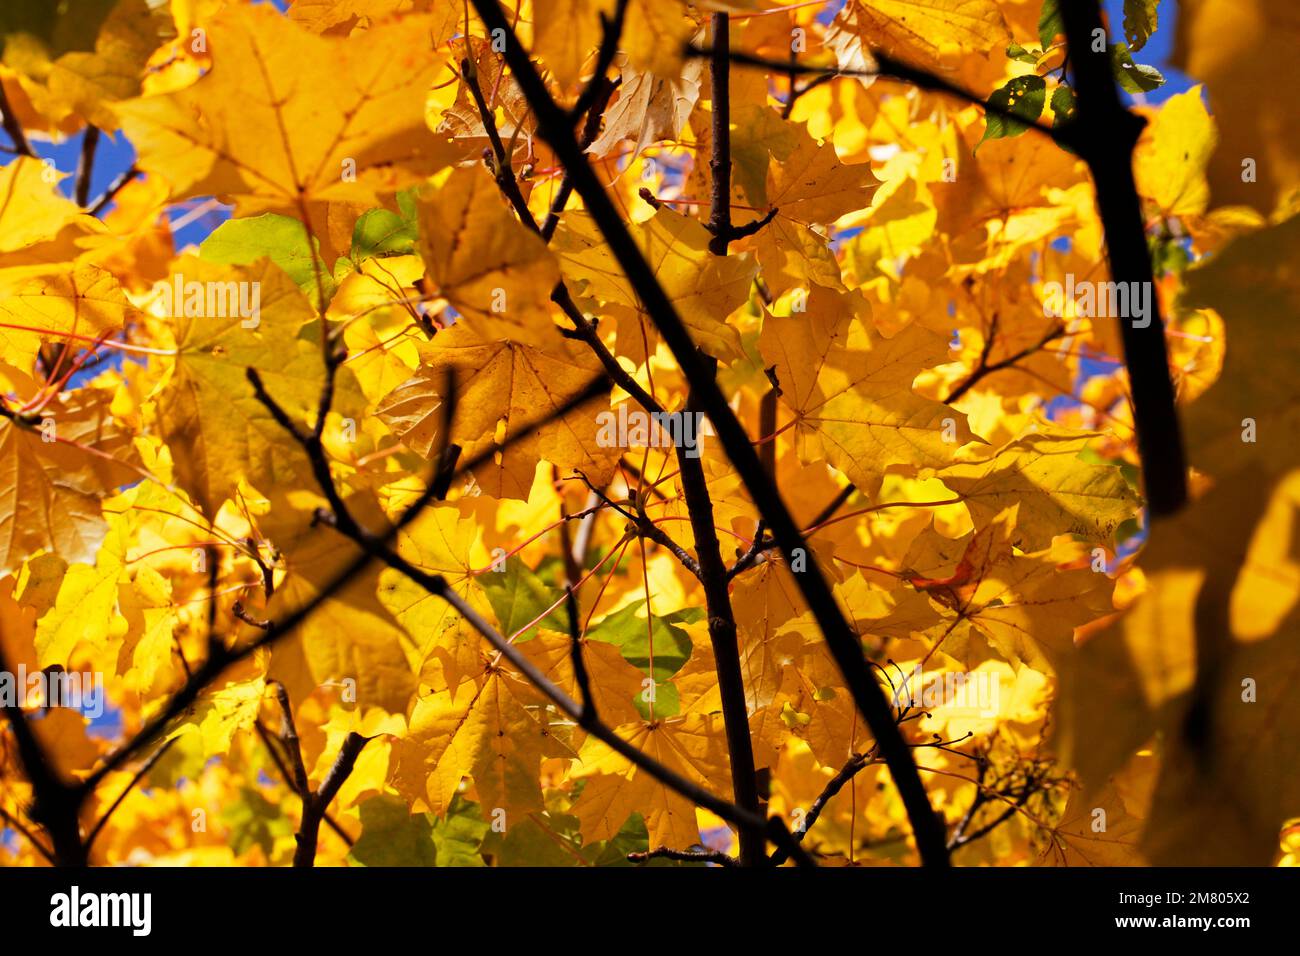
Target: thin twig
139, 775
13, 127
85, 166
686, 856
115, 187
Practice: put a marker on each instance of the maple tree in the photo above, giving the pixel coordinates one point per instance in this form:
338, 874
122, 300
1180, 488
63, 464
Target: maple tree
638, 431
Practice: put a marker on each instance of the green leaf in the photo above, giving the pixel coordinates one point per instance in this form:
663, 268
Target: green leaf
281, 239
518, 596
1051, 23
458, 837
392, 836
667, 701
1063, 105
549, 841
628, 631
1133, 77
1168, 254
381, 232
69, 26
1024, 96
254, 821
1140, 19
1016, 52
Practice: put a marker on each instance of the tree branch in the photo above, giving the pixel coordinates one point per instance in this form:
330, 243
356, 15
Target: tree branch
13, 127
377, 547
113, 189
286, 775
686, 856
314, 805
139, 775
85, 166
17, 825
843, 643
726, 647
985, 368
890, 68
1106, 135
720, 161
55, 805
223, 658
851, 768
599, 85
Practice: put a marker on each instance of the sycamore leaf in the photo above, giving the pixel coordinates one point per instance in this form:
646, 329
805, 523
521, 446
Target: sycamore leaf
1170, 165
615, 789
440, 541
1239, 48
489, 729
1140, 20
222, 712
662, 640
392, 836
1051, 23
381, 232
649, 108
208, 407
36, 222
208, 411
282, 239
1133, 77
340, 16
285, 116
924, 29
63, 303
1246, 418
1024, 606
811, 185
1225, 749
502, 387
812, 707
615, 683
461, 120
352, 642
705, 288
1085, 837
764, 603
1056, 491
73, 77
655, 34
492, 269
1063, 105
567, 31
1204, 657
54, 474
851, 389
520, 598
151, 615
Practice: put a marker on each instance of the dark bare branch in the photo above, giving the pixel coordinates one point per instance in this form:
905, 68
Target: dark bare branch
554, 128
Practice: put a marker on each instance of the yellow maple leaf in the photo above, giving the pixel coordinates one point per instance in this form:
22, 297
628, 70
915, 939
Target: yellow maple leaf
286, 116
1057, 492
851, 389
704, 288
501, 388
492, 269
615, 788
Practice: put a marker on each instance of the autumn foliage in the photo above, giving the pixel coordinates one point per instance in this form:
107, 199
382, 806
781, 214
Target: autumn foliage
631, 431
